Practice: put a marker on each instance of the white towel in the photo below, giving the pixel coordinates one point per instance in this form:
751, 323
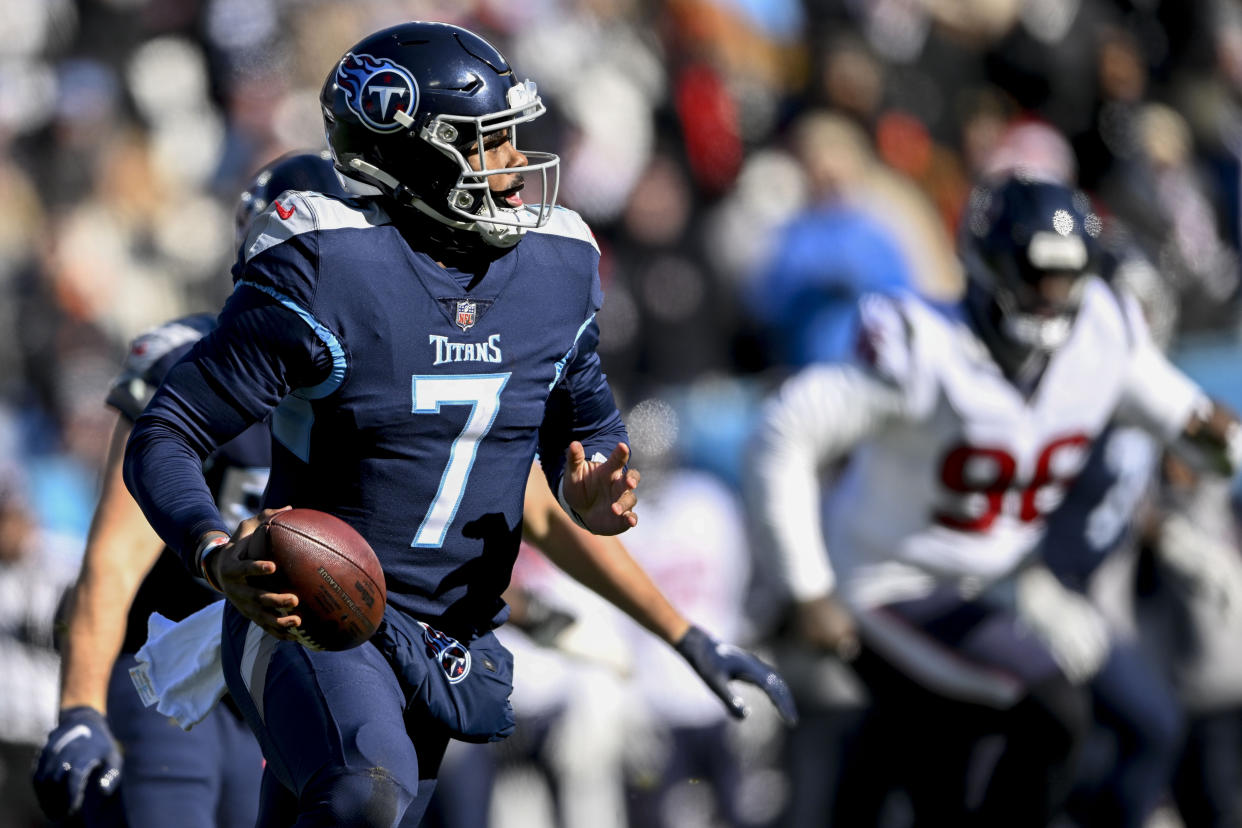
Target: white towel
179, 668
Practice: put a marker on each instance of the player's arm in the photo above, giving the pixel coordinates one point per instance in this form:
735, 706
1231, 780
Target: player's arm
600, 563
815, 419
231, 379
603, 565
1171, 406
120, 549
585, 445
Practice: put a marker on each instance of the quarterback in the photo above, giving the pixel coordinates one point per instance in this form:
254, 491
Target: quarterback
416, 348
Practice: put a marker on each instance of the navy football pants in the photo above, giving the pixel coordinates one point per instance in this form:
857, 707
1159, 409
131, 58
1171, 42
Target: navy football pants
332, 727
206, 777
945, 674
1130, 759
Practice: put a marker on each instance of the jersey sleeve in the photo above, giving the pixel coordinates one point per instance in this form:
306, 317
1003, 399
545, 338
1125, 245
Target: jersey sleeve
232, 378
1156, 396
815, 418
581, 405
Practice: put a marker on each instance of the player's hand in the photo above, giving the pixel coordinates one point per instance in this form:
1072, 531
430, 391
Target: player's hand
602, 494
240, 570
1215, 433
825, 624
718, 664
1074, 632
79, 753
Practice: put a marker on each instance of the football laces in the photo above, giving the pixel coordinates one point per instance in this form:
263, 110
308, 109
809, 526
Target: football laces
299, 635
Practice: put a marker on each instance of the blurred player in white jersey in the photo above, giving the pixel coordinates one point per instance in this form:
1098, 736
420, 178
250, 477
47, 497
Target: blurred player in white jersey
966, 425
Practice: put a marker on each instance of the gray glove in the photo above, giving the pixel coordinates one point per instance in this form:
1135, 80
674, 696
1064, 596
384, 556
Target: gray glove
1074, 632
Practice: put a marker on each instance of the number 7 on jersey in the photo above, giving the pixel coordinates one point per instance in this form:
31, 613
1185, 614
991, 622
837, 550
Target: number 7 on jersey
482, 393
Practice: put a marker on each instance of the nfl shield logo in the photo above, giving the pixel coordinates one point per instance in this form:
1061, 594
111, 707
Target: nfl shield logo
465, 314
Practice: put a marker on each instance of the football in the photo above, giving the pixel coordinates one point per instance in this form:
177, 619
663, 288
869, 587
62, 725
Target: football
333, 571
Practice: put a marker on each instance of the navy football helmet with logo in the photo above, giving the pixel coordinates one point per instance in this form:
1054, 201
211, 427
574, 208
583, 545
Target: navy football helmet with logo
1027, 246
405, 106
312, 171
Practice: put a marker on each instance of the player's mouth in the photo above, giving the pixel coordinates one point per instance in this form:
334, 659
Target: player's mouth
511, 197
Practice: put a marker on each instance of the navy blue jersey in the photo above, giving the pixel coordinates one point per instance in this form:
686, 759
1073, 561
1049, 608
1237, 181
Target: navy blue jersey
402, 402
236, 473
1099, 511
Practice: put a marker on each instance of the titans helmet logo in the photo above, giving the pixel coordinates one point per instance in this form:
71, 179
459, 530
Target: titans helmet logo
453, 658
376, 89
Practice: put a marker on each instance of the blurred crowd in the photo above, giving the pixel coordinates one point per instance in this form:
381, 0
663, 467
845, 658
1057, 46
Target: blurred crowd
748, 168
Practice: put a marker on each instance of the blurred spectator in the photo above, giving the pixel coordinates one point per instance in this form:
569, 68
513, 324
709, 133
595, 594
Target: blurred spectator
692, 542
35, 570
830, 253
1034, 147
672, 317
1167, 200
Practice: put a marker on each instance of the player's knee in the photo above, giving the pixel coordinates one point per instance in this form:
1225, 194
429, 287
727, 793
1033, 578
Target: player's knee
1056, 714
371, 798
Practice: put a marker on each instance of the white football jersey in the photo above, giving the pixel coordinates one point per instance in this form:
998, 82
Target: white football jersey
953, 469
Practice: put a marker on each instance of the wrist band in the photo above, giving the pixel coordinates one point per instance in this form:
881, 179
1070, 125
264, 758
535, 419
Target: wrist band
205, 548
569, 510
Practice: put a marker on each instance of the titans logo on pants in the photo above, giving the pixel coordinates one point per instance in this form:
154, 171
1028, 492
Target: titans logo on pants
376, 89
453, 658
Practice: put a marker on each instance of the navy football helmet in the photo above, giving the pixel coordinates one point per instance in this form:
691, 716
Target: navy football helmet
312, 171
1027, 246
405, 106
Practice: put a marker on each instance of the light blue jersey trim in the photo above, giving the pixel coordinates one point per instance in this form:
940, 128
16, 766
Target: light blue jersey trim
293, 418
560, 365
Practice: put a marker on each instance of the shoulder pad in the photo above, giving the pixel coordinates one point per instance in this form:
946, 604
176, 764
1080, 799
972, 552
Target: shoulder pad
567, 223
301, 211
1112, 312
150, 357
150, 347
882, 344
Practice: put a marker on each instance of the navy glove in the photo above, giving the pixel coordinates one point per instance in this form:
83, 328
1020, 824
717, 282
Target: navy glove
718, 664
80, 752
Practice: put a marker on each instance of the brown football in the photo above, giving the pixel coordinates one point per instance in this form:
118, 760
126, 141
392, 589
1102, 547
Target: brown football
333, 571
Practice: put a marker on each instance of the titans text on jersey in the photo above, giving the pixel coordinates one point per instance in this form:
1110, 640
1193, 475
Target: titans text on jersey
447, 351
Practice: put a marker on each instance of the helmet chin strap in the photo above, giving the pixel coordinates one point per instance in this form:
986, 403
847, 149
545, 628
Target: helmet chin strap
506, 235
1020, 361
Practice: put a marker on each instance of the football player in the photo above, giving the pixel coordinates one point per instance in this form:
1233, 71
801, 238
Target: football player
964, 428
408, 346
210, 775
